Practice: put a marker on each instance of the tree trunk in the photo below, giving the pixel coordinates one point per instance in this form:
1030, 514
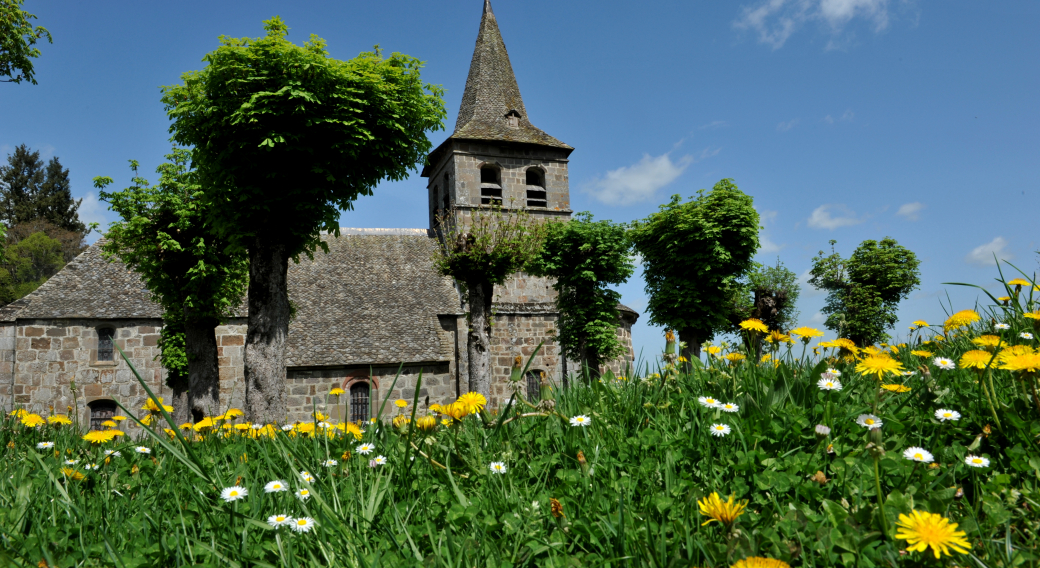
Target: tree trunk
268, 327
180, 403
693, 344
590, 363
200, 344
479, 339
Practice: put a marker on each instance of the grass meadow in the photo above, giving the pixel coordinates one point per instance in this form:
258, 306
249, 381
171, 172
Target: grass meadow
833, 456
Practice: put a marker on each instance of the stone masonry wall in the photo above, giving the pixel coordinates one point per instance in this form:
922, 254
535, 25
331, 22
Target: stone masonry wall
309, 389
515, 334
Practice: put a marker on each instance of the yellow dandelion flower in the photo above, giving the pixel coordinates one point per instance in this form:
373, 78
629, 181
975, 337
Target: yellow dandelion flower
242, 427
922, 530
72, 474
97, 436
975, 359
1019, 282
1004, 299
846, 344
109, 424
206, 422
426, 423
921, 353
455, 410
806, 333
59, 419
400, 403
714, 350
766, 358
961, 319
117, 433
337, 391
1032, 315
986, 341
119, 418
725, 512
896, 388
1024, 363
473, 401
921, 323
879, 365
233, 413
759, 562
17, 413
754, 324
1013, 350
151, 406
401, 420
735, 357
33, 420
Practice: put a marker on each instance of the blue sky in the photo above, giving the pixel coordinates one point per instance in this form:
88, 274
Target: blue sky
844, 119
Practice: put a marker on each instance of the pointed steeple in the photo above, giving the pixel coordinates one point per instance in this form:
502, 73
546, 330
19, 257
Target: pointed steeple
492, 108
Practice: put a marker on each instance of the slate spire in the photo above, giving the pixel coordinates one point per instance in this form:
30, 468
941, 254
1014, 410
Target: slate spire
492, 108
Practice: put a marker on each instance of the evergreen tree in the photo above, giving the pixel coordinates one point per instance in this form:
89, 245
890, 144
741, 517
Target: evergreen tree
30, 190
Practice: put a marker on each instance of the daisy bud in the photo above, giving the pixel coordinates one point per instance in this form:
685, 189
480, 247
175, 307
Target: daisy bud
822, 431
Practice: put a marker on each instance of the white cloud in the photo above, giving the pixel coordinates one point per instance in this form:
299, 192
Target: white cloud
818, 318
807, 289
910, 211
845, 117
822, 218
93, 211
776, 20
785, 126
715, 124
765, 244
982, 255
640, 181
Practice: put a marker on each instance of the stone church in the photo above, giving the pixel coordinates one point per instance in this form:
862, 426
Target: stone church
370, 309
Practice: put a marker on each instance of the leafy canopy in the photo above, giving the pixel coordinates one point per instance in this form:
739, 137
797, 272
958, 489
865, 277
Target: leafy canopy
28, 264
767, 293
284, 136
486, 246
17, 38
693, 253
864, 290
584, 257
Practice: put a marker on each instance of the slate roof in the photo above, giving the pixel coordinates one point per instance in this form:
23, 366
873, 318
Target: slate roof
492, 92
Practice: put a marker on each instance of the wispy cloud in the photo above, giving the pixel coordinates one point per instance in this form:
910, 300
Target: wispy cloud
715, 124
982, 255
766, 245
909, 211
823, 217
807, 289
845, 117
785, 126
91, 210
775, 21
638, 182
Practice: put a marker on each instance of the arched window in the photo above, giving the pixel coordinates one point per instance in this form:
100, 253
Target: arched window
359, 402
534, 385
490, 186
104, 344
101, 410
447, 194
536, 188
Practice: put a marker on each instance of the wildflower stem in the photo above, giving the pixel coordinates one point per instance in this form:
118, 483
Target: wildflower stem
992, 408
880, 498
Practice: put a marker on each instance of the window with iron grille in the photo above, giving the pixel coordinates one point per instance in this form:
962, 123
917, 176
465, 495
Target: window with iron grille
534, 385
101, 410
359, 407
536, 188
104, 344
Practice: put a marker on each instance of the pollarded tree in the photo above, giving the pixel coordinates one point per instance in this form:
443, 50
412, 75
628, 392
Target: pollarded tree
864, 291
17, 40
584, 257
769, 294
283, 137
693, 255
480, 249
190, 272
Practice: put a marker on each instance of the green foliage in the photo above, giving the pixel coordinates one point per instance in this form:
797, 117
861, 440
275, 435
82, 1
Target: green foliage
162, 236
17, 40
693, 255
173, 353
30, 191
285, 136
629, 499
486, 245
29, 263
584, 256
864, 291
768, 293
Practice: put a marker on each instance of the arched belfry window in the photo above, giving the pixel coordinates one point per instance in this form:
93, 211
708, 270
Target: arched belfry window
534, 385
359, 402
490, 185
447, 194
105, 352
101, 410
536, 188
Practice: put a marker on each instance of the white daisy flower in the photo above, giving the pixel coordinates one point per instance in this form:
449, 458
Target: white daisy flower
279, 520
288, 427
1026, 335
1002, 326
944, 363
379, 460
943, 415
257, 426
113, 453
275, 486
708, 402
306, 475
916, 454
303, 524
720, 430
235, 493
729, 407
324, 424
581, 420
823, 430
869, 421
303, 494
976, 461
143, 450
331, 463
44, 445
909, 373
365, 449
829, 384
832, 371
91, 466
71, 462
497, 467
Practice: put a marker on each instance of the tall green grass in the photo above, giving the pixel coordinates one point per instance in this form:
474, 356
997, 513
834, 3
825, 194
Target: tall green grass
648, 456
